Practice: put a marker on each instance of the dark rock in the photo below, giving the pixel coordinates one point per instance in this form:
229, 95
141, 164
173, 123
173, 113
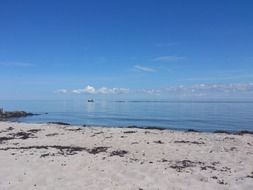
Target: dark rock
243, 132
58, 123
150, 128
155, 128
192, 130
222, 131
15, 114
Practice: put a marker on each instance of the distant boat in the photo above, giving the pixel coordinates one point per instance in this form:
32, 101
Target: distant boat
90, 100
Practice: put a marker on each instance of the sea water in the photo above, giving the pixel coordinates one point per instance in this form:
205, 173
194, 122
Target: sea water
198, 115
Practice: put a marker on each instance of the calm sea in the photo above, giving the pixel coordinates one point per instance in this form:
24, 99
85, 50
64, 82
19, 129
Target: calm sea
199, 115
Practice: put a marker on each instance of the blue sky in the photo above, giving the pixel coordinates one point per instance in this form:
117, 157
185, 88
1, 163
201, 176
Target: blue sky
137, 48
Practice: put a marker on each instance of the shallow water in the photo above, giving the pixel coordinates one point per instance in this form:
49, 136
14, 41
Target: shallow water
199, 115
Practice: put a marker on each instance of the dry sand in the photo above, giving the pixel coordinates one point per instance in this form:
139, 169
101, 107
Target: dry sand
43, 156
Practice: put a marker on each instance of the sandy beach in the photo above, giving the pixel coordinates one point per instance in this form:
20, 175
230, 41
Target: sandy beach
50, 156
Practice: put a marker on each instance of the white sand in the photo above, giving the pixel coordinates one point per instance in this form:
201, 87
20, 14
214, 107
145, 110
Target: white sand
154, 160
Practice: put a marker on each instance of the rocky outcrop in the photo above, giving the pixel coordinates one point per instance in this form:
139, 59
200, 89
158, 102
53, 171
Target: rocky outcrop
14, 114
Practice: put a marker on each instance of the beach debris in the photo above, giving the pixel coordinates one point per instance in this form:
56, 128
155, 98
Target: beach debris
180, 165
75, 129
229, 138
19, 135
6, 130
62, 150
189, 142
100, 132
3, 139
22, 135
159, 142
221, 181
250, 176
97, 133
207, 167
233, 148
34, 130
164, 160
44, 155
129, 132
97, 150
52, 134
120, 153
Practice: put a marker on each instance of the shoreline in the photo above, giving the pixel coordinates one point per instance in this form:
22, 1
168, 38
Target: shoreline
231, 132
52, 156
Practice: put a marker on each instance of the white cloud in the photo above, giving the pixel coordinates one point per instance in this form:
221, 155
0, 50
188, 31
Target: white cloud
61, 91
145, 69
104, 90
151, 91
78, 91
168, 58
121, 90
201, 90
89, 90
208, 89
179, 90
